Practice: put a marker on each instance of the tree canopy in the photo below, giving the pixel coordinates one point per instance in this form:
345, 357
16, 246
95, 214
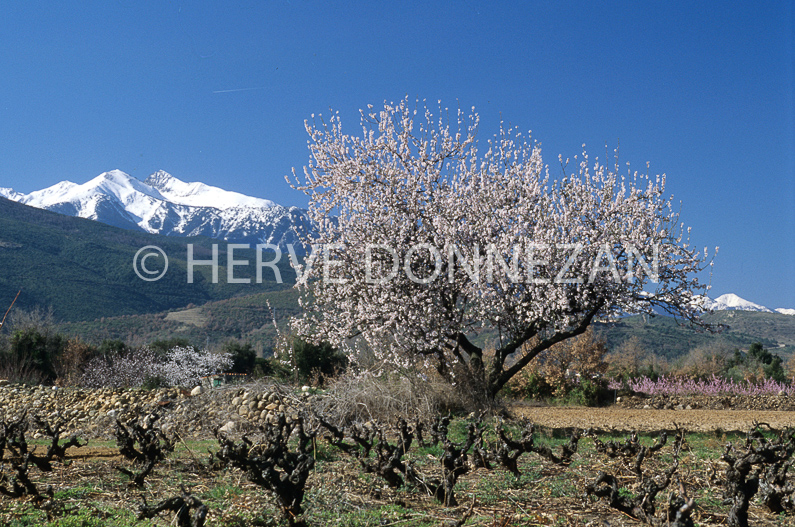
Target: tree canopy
426, 237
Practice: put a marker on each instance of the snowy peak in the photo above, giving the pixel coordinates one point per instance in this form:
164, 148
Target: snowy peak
113, 197
160, 180
55, 193
163, 204
116, 184
11, 194
197, 194
730, 301
121, 185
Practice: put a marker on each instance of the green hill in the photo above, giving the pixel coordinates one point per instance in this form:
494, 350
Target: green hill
83, 269
247, 318
665, 337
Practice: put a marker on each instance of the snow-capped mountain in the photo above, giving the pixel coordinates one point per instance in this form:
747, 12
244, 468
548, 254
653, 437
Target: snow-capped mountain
163, 204
11, 194
731, 301
201, 195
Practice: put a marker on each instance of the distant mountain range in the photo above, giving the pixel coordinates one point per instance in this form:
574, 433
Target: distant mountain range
83, 269
732, 302
249, 318
163, 204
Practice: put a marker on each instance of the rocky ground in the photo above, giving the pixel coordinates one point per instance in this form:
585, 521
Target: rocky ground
708, 402
195, 414
191, 414
91, 489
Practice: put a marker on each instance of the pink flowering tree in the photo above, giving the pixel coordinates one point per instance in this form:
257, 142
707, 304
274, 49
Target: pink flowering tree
426, 237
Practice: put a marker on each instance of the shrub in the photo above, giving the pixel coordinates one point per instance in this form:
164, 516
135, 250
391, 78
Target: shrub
113, 346
569, 369
18, 369
364, 396
145, 367
318, 361
529, 384
589, 392
41, 348
70, 364
185, 366
244, 358
270, 367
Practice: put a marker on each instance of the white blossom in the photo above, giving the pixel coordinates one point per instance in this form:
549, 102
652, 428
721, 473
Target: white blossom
182, 366
404, 185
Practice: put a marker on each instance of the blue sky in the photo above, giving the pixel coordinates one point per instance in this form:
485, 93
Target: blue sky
219, 91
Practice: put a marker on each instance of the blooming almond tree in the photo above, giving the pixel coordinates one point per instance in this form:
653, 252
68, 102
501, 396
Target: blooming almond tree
182, 366
426, 238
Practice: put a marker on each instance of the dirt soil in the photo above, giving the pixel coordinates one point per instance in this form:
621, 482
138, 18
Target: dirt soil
619, 419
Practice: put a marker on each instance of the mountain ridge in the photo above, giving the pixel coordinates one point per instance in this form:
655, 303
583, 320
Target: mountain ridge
84, 269
733, 302
246, 318
164, 204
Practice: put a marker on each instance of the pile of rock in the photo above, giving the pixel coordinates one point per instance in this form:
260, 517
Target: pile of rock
710, 402
191, 414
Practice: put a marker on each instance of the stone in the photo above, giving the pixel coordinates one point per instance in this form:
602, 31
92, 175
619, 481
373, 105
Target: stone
228, 427
196, 391
90, 411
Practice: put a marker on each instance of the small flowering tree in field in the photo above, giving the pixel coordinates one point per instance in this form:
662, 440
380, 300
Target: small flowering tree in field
182, 366
426, 238
121, 370
185, 366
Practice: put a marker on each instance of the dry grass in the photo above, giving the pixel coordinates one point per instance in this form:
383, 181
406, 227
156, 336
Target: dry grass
365, 397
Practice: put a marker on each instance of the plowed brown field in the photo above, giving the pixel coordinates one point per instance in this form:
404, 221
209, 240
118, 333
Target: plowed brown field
651, 420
